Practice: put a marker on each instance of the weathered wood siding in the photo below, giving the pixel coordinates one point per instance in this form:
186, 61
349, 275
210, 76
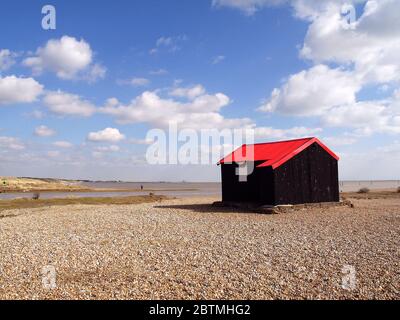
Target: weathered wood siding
309, 177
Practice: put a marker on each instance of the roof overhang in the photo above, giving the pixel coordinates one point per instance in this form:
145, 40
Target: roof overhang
276, 163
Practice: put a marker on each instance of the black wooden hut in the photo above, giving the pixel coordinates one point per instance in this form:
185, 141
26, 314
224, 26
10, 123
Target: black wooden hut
285, 172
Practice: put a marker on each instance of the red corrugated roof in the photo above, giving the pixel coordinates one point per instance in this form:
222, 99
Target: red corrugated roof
273, 154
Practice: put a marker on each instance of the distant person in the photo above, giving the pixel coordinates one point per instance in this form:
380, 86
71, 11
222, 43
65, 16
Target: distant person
141, 187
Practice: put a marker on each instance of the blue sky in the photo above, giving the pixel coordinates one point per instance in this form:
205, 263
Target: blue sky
288, 69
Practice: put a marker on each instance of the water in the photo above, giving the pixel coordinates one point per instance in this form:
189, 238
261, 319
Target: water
179, 190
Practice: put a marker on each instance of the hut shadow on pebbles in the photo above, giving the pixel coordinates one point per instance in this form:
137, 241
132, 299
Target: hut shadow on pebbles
204, 208
240, 207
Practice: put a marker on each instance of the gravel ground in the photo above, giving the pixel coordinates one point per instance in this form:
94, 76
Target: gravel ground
180, 249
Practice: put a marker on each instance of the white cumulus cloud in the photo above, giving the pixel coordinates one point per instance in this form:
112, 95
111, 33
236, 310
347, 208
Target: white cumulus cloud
106, 135
364, 46
190, 92
313, 91
67, 57
269, 133
199, 111
112, 148
67, 104
371, 43
44, 131
367, 117
11, 143
63, 144
19, 90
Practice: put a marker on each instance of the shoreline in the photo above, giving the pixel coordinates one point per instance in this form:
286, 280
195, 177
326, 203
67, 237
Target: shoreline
17, 204
89, 190
28, 203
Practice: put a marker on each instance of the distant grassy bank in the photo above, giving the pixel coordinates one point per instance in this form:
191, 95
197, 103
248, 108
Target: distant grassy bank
13, 184
29, 203
26, 185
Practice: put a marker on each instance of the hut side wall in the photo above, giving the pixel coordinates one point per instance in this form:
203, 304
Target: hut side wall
309, 177
239, 191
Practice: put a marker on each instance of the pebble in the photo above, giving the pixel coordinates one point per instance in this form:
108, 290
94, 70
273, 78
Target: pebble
187, 249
